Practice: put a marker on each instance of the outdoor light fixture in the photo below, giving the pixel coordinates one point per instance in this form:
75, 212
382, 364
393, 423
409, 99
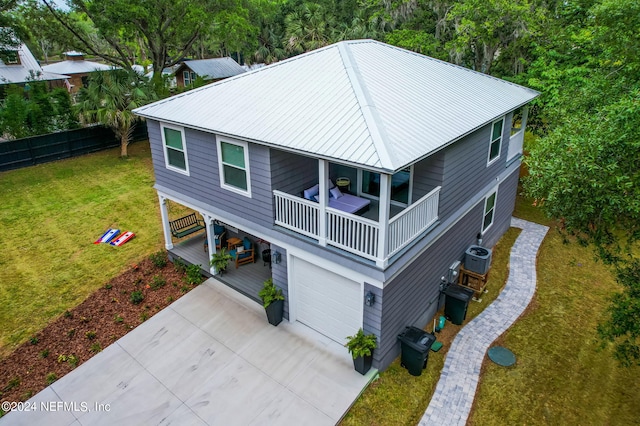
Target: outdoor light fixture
369, 299
276, 257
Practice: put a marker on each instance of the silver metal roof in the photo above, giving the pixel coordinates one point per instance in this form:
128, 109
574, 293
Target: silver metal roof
215, 68
27, 70
360, 102
76, 67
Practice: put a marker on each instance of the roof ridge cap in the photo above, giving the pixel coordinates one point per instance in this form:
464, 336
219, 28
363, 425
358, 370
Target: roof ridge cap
367, 106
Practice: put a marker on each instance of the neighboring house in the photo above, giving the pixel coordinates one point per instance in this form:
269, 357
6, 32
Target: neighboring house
427, 146
210, 70
168, 73
78, 68
19, 66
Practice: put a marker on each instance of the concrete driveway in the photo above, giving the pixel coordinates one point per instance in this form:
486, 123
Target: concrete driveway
209, 358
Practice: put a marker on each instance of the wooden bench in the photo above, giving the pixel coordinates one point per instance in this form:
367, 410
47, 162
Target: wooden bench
186, 225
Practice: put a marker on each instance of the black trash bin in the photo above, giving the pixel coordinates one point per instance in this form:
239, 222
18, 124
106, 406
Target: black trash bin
456, 303
415, 345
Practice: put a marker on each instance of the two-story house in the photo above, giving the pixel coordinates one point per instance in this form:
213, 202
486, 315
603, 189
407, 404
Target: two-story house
366, 169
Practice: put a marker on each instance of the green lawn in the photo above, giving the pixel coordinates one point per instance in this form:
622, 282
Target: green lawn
561, 376
50, 215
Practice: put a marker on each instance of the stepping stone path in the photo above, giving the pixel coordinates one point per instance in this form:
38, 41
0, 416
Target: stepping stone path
454, 394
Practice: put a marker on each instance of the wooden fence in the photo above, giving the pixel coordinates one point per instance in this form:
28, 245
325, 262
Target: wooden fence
27, 152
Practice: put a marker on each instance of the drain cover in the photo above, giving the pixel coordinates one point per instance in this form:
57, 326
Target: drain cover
502, 356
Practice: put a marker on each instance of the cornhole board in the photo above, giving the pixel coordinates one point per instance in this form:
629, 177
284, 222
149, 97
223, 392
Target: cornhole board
107, 236
122, 239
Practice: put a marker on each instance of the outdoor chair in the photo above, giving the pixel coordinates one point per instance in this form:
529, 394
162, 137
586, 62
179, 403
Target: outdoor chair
220, 236
243, 254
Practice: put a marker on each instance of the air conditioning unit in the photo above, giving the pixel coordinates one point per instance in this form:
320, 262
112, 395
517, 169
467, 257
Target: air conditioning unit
477, 259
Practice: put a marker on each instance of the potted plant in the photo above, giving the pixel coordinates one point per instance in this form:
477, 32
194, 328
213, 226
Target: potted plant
220, 260
361, 348
273, 301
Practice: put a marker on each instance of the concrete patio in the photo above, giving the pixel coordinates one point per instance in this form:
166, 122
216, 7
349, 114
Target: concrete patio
209, 358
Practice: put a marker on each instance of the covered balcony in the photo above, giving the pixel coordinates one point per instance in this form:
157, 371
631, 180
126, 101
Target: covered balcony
390, 221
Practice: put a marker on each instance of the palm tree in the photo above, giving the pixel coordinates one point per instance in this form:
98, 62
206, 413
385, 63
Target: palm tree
309, 28
110, 99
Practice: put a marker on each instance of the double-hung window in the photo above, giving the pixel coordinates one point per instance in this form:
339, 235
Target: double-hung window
489, 210
233, 162
496, 140
175, 149
189, 77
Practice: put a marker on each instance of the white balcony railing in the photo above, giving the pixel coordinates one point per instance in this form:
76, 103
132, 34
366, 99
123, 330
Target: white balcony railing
353, 233
516, 143
297, 214
412, 221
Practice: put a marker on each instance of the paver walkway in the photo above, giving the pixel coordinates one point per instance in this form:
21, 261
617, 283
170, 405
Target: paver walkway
453, 397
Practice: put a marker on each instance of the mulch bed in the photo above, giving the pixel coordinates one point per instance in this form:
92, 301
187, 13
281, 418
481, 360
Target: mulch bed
80, 333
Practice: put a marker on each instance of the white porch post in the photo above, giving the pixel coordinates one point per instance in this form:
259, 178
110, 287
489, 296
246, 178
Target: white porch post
323, 177
211, 241
164, 214
525, 115
383, 219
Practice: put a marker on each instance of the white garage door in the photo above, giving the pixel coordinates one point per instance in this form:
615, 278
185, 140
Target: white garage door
326, 301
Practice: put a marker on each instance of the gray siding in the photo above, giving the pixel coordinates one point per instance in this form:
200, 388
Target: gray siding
427, 174
505, 203
279, 276
465, 168
411, 298
372, 316
203, 183
292, 173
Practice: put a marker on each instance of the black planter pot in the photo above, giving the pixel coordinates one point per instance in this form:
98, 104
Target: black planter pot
275, 311
362, 364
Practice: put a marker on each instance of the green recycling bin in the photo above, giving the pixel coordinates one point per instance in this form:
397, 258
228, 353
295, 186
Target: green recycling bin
415, 345
456, 303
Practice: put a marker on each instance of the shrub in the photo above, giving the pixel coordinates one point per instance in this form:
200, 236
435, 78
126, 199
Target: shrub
157, 282
68, 314
33, 340
159, 259
44, 353
13, 383
179, 264
144, 315
51, 377
136, 297
194, 276
118, 319
95, 347
90, 335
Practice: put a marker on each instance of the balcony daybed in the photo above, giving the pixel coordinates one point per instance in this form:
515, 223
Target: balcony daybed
338, 200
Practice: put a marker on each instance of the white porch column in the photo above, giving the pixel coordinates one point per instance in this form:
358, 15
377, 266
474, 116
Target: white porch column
211, 241
383, 219
525, 115
323, 177
164, 214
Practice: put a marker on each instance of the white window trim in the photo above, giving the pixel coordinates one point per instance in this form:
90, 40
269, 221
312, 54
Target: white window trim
484, 210
391, 200
186, 77
184, 171
245, 147
490, 161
